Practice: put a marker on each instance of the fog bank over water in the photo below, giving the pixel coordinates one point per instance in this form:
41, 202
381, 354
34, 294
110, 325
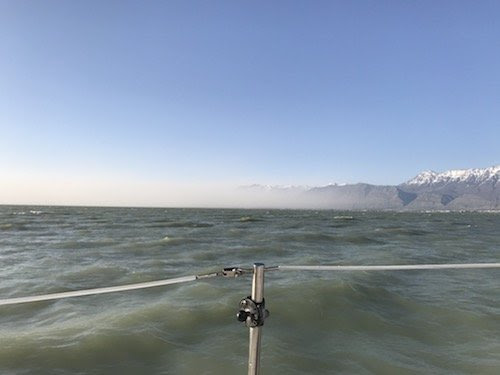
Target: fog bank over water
60, 191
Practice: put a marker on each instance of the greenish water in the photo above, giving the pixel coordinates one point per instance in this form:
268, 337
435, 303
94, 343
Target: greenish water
413, 322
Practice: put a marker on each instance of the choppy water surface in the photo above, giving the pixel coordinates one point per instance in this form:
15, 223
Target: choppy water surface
414, 322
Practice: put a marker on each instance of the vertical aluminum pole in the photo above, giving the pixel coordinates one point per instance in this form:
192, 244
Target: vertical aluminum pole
256, 332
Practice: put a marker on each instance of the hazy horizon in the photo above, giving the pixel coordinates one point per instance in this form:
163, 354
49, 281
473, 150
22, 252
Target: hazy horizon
123, 193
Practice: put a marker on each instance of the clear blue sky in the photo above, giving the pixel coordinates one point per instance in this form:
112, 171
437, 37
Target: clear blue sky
304, 92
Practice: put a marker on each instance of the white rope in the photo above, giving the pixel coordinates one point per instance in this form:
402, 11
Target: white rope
393, 267
178, 280
88, 292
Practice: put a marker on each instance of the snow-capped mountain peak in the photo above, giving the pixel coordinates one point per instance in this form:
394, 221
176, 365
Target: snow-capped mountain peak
475, 175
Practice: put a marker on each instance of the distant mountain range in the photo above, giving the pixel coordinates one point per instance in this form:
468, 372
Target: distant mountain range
465, 189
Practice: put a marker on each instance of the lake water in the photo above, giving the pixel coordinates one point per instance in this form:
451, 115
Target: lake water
398, 322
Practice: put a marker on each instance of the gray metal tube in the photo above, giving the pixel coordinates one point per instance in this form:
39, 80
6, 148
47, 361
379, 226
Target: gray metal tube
256, 332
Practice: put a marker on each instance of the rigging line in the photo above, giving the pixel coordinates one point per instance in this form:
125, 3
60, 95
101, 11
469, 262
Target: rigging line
234, 272
111, 289
392, 267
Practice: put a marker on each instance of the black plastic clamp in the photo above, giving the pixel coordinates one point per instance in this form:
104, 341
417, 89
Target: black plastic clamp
252, 313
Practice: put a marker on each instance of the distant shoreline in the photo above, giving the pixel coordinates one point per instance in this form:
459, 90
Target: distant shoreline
37, 205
